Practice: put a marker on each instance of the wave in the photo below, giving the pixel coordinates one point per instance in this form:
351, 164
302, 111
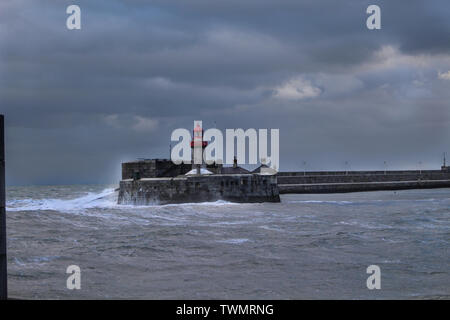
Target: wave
362, 202
34, 260
91, 200
234, 241
321, 201
107, 199
214, 203
365, 225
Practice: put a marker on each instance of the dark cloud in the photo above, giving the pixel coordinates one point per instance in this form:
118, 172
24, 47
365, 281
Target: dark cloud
79, 102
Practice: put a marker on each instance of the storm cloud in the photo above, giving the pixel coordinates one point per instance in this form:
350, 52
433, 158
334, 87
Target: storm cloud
78, 102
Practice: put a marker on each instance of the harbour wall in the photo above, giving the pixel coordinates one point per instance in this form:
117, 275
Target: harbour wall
359, 181
204, 188
153, 168
177, 188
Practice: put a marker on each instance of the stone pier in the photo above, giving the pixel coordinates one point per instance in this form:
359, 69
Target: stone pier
200, 188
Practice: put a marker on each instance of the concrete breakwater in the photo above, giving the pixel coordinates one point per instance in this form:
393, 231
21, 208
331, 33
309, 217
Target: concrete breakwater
159, 181
360, 181
242, 188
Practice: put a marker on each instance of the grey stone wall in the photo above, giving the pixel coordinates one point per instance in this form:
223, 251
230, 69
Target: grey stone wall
153, 168
235, 188
364, 177
359, 181
362, 186
340, 173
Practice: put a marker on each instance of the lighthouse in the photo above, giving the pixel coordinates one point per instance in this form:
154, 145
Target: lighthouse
198, 146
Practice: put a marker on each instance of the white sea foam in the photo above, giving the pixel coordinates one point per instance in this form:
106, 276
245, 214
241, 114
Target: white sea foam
265, 227
359, 202
34, 260
321, 201
214, 203
365, 225
91, 200
107, 199
233, 241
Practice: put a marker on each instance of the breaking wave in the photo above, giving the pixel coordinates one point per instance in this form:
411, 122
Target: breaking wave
106, 199
91, 200
321, 201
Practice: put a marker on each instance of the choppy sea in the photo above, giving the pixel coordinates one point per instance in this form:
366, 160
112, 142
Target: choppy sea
306, 247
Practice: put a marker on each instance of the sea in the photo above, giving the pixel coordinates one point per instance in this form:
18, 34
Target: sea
306, 247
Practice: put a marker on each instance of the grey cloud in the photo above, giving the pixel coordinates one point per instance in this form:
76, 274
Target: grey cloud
79, 102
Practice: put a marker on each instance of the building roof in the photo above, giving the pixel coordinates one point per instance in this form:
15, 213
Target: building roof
194, 171
264, 170
258, 170
232, 170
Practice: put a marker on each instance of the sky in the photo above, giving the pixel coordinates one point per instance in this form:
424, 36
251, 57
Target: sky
77, 103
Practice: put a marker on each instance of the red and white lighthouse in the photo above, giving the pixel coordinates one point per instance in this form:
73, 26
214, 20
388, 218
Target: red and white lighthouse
197, 145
